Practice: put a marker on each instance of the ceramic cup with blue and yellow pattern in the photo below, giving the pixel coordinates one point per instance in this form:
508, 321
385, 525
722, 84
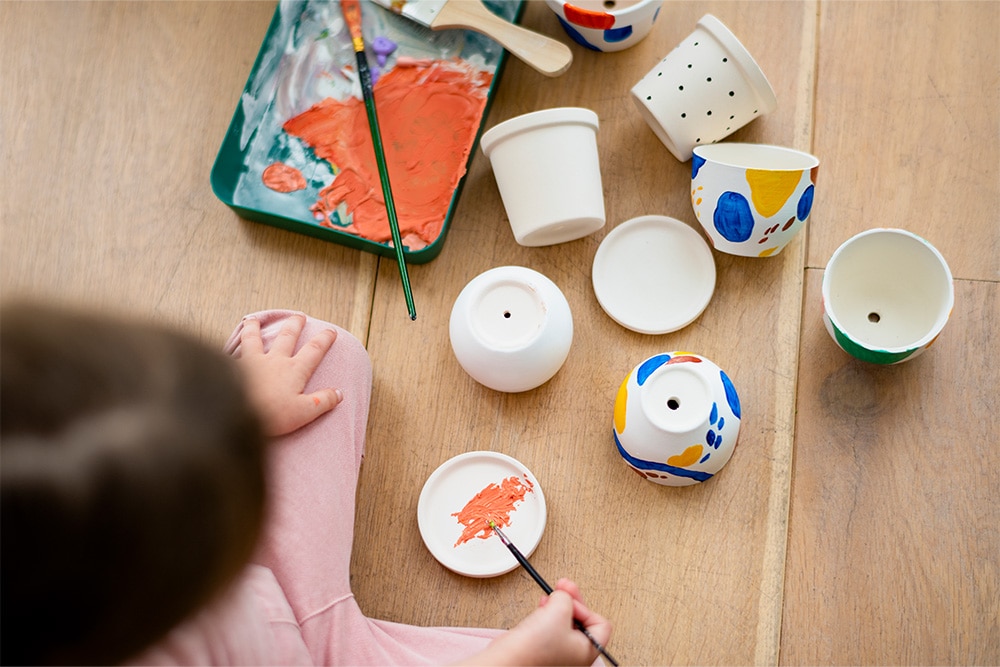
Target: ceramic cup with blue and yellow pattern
677, 418
752, 199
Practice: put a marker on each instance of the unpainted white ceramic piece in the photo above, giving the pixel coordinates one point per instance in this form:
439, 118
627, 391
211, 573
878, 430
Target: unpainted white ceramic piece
548, 171
511, 328
653, 274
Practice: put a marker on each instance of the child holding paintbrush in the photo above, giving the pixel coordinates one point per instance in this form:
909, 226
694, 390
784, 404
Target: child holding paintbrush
137, 483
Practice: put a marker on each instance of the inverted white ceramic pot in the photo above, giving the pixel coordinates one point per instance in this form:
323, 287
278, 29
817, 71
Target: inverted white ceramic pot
708, 87
511, 328
887, 295
752, 199
548, 172
607, 25
677, 419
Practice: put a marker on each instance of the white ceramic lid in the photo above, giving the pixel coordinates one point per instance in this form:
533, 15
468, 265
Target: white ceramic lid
653, 274
448, 491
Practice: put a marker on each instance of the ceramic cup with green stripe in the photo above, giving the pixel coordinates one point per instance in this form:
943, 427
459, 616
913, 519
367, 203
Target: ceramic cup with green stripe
887, 294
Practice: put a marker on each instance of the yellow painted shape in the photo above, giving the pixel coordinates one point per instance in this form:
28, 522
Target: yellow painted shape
768, 252
690, 456
620, 401
771, 189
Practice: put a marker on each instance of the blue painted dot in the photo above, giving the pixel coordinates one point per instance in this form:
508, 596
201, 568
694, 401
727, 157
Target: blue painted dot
722, 423
705, 457
618, 34
733, 217
718, 442
714, 414
806, 202
710, 438
696, 163
731, 396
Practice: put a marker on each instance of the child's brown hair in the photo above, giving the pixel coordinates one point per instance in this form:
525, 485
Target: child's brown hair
131, 483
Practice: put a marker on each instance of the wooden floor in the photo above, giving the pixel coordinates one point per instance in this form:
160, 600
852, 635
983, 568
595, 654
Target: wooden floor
858, 521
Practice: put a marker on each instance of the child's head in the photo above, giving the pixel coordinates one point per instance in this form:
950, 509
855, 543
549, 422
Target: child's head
131, 483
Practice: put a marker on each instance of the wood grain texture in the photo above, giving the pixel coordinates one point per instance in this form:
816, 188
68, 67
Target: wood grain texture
669, 566
895, 525
113, 120
857, 522
907, 129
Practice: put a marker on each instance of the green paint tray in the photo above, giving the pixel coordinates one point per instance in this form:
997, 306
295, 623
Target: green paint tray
301, 62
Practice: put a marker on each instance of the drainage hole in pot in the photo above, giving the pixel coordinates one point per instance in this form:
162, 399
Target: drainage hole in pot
874, 317
673, 403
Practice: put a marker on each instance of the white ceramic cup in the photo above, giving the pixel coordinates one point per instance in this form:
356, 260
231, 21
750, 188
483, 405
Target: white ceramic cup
511, 328
677, 419
606, 25
887, 294
752, 199
708, 87
548, 172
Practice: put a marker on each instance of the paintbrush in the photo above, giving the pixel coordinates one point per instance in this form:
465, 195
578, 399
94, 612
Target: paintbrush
546, 55
352, 16
548, 589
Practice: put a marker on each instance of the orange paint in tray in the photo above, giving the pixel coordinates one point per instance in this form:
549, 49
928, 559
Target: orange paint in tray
495, 502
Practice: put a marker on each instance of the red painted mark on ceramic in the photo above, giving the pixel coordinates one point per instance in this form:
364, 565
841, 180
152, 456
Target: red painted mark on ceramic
586, 18
682, 359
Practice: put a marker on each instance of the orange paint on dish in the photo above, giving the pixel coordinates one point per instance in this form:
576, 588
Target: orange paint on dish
428, 118
283, 178
494, 503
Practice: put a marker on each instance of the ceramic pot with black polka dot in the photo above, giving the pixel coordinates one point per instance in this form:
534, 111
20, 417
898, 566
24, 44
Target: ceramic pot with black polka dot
708, 87
676, 419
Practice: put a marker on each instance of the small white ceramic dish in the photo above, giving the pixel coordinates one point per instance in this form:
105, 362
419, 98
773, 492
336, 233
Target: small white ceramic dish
451, 487
653, 274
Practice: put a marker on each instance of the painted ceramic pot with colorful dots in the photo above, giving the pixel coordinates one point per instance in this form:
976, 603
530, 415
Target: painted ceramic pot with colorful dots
708, 87
887, 295
752, 199
607, 25
676, 419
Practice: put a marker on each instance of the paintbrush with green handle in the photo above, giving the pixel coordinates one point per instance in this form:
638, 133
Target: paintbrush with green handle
352, 16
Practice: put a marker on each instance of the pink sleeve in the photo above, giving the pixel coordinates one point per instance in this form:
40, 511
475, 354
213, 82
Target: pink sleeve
313, 478
250, 624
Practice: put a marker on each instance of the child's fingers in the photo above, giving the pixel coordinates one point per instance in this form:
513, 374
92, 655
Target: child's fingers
303, 410
325, 400
250, 340
284, 342
570, 587
315, 349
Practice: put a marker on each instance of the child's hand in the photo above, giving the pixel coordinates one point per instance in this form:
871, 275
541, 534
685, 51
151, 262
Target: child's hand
276, 378
547, 636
